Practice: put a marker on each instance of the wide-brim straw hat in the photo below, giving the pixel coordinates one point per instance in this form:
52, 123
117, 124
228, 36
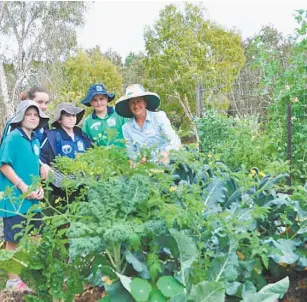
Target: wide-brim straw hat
21, 110
134, 91
94, 90
68, 108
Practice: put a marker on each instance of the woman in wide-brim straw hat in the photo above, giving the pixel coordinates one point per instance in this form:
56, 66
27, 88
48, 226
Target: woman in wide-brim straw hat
147, 128
66, 139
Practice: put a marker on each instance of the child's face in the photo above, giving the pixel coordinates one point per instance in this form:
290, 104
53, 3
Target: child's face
99, 102
42, 100
31, 119
68, 121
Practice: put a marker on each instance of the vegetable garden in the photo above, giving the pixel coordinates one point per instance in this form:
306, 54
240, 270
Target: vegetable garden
190, 231
218, 225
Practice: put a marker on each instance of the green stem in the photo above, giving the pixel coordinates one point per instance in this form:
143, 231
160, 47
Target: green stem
20, 262
111, 259
117, 256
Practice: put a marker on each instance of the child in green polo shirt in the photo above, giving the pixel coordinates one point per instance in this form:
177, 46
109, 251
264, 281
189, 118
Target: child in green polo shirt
104, 125
19, 163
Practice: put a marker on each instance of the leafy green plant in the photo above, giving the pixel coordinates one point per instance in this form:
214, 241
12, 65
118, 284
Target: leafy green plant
181, 232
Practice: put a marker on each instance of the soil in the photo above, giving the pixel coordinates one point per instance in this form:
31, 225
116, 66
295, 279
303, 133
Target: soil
298, 288
90, 294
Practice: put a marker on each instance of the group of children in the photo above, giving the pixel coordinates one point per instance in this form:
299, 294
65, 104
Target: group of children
29, 146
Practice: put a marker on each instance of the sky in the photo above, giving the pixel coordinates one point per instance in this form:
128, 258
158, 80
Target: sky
120, 24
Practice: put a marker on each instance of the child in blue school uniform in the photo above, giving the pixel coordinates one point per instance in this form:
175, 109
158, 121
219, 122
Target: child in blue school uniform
19, 163
66, 139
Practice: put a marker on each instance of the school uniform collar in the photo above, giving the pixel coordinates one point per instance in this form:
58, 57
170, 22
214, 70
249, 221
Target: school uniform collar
64, 134
110, 110
23, 134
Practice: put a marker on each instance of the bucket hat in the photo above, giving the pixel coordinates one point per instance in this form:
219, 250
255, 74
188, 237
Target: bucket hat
21, 110
68, 108
94, 90
134, 91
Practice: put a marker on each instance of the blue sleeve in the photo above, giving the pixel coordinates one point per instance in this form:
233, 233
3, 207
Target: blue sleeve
46, 154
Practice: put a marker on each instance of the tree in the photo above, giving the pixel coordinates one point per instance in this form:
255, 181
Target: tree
114, 57
83, 70
134, 69
183, 49
34, 34
265, 47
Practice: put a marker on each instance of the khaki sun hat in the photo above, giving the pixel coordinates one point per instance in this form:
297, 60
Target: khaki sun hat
68, 108
21, 110
134, 91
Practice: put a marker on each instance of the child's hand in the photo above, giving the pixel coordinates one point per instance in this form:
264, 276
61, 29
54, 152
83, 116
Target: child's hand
44, 171
38, 194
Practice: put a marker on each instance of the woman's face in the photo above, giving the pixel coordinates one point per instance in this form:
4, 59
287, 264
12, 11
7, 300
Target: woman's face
42, 100
31, 119
138, 106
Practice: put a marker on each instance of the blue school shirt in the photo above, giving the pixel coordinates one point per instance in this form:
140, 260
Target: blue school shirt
58, 142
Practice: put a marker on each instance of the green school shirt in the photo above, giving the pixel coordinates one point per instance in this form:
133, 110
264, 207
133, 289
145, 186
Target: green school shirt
22, 154
105, 131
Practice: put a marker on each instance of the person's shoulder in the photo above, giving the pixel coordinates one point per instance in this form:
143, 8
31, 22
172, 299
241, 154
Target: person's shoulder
159, 113
88, 119
158, 116
13, 135
129, 123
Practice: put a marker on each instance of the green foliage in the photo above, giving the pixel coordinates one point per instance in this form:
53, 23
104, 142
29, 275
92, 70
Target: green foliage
140, 289
85, 69
241, 142
169, 286
208, 291
285, 81
183, 47
186, 231
134, 69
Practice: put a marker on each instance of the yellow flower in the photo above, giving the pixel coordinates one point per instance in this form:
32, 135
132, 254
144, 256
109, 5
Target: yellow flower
172, 188
209, 155
57, 200
252, 173
106, 280
261, 174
